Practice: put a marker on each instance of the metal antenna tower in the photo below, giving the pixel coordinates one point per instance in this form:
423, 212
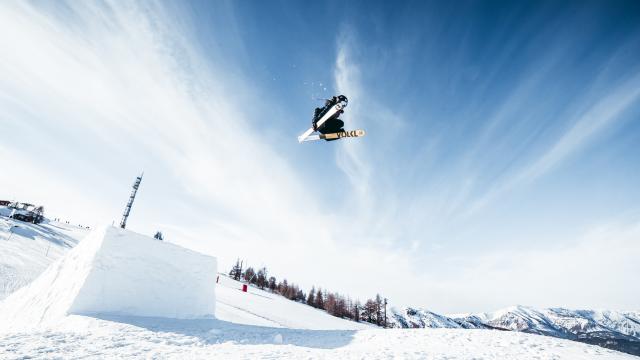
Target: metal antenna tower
132, 197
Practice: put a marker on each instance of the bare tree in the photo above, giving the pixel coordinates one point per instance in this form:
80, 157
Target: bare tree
330, 304
378, 302
356, 310
319, 299
369, 311
311, 297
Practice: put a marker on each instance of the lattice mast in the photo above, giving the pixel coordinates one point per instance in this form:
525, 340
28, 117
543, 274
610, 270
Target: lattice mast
132, 197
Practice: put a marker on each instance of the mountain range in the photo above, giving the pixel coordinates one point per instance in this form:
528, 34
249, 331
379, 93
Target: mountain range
618, 330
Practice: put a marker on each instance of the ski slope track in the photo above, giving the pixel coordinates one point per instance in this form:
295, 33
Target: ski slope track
119, 294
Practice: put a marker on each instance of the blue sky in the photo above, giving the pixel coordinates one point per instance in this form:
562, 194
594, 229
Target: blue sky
500, 164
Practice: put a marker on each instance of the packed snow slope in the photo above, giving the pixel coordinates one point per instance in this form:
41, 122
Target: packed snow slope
118, 272
109, 264
263, 308
27, 249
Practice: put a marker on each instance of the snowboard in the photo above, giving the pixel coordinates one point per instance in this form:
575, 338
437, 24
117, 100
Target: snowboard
338, 135
331, 113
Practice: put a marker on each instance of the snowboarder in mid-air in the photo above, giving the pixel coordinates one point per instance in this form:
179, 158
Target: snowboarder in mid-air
326, 121
333, 124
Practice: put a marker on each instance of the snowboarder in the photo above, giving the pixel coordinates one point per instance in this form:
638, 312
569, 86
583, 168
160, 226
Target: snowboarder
326, 121
333, 124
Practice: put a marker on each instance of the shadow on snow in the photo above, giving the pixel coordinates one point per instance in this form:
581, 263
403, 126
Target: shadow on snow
213, 331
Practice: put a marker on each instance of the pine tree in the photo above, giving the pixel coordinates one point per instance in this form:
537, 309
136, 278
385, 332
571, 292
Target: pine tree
272, 284
236, 270
250, 275
283, 287
261, 278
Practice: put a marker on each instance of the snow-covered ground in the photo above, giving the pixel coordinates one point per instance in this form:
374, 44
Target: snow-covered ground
258, 307
118, 337
27, 249
256, 324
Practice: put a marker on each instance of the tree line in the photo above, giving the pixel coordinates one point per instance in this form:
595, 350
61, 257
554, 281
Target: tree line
373, 310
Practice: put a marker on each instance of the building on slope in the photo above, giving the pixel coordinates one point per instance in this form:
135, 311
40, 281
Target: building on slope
22, 211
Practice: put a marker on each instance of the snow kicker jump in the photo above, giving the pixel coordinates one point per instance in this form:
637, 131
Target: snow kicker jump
327, 123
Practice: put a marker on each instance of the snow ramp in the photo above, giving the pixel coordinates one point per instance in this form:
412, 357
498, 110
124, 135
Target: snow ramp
118, 272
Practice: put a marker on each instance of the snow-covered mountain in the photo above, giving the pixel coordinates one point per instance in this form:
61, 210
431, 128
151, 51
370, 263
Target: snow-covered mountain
618, 330
419, 318
562, 322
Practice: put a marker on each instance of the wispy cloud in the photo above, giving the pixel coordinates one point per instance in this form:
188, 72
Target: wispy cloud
585, 127
449, 196
123, 88
351, 159
91, 93
110, 89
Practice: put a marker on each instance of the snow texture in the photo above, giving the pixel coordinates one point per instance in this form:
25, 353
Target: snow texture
160, 338
118, 272
26, 249
5, 211
115, 266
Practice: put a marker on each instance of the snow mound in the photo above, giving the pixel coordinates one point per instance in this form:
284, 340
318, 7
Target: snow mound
118, 272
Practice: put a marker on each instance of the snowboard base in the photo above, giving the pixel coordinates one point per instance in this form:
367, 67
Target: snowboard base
335, 136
